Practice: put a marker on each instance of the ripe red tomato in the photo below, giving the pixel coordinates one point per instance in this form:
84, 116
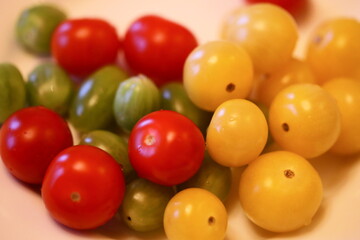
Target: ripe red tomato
166, 147
83, 187
81, 46
157, 47
292, 6
30, 139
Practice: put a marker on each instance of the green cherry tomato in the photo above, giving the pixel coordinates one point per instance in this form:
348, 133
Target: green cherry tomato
144, 204
92, 107
212, 177
12, 90
113, 144
135, 97
35, 27
50, 86
175, 98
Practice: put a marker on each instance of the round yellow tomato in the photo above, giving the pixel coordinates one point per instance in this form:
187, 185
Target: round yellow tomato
334, 49
280, 191
346, 91
268, 32
295, 71
195, 213
305, 119
215, 72
237, 133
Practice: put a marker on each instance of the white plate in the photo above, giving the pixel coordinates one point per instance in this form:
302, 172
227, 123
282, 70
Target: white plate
22, 213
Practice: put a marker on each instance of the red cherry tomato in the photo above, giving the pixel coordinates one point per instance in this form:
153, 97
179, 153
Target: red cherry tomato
83, 187
292, 6
30, 139
157, 47
81, 46
166, 147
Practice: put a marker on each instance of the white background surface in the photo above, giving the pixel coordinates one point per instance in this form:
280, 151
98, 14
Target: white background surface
22, 213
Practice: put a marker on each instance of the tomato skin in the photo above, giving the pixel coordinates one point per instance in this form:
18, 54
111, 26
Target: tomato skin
81, 46
157, 47
29, 139
36, 25
251, 26
113, 144
195, 213
280, 191
12, 90
175, 98
50, 86
166, 147
83, 187
334, 49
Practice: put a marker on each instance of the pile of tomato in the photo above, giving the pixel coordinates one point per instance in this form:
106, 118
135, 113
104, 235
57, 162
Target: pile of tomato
162, 119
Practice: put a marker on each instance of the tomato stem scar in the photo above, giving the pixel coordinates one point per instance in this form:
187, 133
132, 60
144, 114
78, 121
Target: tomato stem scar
285, 127
149, 140
289, 173
211, 220
75, 197
230, 87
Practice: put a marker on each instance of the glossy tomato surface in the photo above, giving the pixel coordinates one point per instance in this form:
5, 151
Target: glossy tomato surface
280, 191
81, 46
158, 47
166, 147
29, 139
83, 187
195, 213
251, 27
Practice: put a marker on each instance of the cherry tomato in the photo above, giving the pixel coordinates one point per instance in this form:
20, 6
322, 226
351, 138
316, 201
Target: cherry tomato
280, 191
81, 46
175, 98
212, 177
166, 147
145, 213
195, 213
83, 187
237, 133
305, 119
251, 27
113, 144
12, 90
217, 71
29, 139
50, 86
36, 25
346, 91
158, 47
334, 49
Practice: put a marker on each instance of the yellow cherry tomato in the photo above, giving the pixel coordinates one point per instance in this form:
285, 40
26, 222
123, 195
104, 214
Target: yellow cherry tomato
334, 49
215, 72
295, 71
237, 133
305, 119
195, 213
280, 191
268, 32
346, 91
